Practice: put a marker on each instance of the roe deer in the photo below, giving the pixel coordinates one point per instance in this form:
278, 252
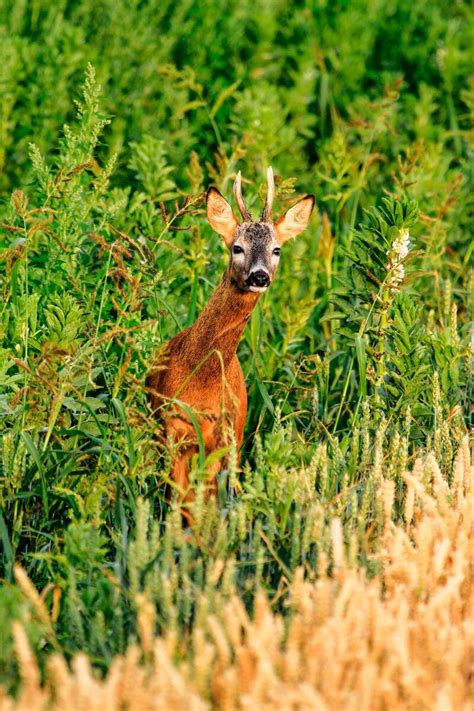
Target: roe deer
200, 366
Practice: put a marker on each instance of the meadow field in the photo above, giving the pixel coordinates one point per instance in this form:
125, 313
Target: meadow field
335, 568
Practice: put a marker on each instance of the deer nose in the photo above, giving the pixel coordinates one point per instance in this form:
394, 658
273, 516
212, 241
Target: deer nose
258, 278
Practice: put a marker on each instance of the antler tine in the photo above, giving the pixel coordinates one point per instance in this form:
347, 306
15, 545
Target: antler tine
267, 210
238, 196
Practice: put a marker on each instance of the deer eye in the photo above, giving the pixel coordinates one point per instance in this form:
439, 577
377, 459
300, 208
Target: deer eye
276, 251
237, 250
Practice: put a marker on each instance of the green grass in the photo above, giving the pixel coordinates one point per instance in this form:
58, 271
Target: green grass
105, 254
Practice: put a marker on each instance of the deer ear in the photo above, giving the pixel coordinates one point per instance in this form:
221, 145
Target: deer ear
295, 220
220, 215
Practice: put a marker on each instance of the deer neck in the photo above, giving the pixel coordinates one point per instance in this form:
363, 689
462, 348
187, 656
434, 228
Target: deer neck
221, 324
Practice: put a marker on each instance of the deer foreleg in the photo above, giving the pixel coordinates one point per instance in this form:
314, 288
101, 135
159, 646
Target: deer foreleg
180, 476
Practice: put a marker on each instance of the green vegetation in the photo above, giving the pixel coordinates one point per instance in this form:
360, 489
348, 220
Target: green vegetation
357, 360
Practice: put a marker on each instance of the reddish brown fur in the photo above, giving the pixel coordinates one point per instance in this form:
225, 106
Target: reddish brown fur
212, 386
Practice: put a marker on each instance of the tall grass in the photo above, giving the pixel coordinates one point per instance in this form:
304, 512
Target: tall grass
401, 640
114, 118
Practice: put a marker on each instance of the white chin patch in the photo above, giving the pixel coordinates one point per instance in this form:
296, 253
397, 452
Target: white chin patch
258, 289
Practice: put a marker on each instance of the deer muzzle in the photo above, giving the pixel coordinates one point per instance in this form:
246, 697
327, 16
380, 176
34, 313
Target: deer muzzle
259, 279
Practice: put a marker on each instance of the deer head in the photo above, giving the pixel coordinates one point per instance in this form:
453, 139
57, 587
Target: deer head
255, 246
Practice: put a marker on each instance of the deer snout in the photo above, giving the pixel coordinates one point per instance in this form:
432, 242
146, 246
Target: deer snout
259, 278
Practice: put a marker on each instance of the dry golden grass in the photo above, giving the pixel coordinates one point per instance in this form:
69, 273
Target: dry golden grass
401, 640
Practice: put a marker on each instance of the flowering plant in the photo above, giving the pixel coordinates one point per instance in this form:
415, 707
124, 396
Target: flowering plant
396, 256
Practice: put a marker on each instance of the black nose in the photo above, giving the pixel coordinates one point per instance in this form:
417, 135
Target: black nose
258, 278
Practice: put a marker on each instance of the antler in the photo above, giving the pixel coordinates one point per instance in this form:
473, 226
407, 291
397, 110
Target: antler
240, 201
267, 210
